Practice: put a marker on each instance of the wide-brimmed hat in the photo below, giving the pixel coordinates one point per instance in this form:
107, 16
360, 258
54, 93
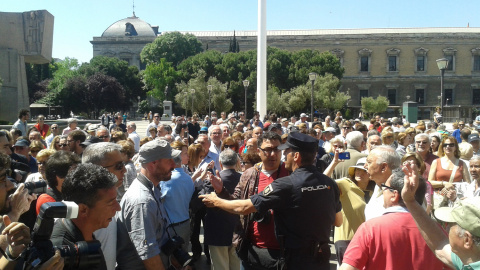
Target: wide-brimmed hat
360, 165
466, 213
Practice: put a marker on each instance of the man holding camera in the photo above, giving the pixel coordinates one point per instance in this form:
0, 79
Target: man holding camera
143, 212
93, 189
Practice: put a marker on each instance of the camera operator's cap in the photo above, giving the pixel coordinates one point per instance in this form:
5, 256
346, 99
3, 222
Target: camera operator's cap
90, 141
203, 130
272, 126
330, 129
92, 127
303, 115
466, 213
300, 141
154, 150
473, 137
360, 165
22, 143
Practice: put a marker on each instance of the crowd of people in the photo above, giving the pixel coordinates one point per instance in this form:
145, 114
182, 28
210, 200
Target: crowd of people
267, 191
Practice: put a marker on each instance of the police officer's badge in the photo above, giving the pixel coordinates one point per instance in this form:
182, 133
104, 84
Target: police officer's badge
268, 190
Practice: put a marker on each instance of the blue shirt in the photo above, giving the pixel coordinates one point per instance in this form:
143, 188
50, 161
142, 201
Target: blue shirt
456, 134
209, 157
176, 195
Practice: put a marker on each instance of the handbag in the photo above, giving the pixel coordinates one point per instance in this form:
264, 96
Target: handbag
440, 200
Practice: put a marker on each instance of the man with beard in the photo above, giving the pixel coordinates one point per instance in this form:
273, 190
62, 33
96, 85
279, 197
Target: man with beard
143, 213
264, 250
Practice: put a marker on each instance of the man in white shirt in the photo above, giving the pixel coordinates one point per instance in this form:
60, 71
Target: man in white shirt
132, 134
154, 123
380, 163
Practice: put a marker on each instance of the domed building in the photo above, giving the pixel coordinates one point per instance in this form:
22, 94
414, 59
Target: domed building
125, 40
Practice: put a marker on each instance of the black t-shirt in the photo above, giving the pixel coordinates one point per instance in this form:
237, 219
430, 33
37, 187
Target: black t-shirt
304, 205
66, 233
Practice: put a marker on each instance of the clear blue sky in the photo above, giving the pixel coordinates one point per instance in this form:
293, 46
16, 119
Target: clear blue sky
76, 22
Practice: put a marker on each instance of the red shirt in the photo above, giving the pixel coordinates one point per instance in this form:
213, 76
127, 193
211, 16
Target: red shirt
391, 241
263, 234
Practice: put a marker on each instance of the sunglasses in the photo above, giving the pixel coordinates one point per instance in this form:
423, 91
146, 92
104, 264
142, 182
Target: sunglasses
62, 145
117, 166
103, 137
54, 127
449, 144
229, 146
347, 127
387, 187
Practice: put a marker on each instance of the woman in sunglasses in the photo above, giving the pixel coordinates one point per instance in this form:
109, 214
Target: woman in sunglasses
448, 168
230, 143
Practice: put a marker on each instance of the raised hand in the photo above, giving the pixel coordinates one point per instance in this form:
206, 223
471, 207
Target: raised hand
216, 181
411, 181
18, 236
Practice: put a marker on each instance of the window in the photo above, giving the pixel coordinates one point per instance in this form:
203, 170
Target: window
476, 97
420, 96
392, 63
420, 63
450, 62
339, 53
476, 62
364, 60
392, 96
448, 98
363, 93
364, 63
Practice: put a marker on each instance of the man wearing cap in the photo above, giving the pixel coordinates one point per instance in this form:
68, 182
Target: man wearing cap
329, 134
460, 249
277, 128
143, 213
305, 205
474, 140
303, 119
388, 242
22, 147
154, 123
285, 129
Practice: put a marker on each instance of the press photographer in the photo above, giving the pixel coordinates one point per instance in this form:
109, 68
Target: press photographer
93, 189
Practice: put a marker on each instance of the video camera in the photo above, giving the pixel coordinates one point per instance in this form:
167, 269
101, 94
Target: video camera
81, 255
38, 187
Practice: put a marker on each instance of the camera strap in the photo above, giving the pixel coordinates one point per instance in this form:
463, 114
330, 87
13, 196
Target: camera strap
149, 185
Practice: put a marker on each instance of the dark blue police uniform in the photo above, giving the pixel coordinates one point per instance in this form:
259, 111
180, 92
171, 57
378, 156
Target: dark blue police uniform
304, 205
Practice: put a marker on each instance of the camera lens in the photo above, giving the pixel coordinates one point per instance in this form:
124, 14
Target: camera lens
83, 255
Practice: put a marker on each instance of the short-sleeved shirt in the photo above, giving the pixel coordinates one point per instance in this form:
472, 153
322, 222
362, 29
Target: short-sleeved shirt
176, 195
391, 241
144, 217
304, 206
460, 266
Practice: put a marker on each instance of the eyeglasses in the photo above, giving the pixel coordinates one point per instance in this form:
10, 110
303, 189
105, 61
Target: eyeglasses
388, 137
62, 145
270, 150
338, 146
347, 127
387, 187
54, 127
41, 163
421, 142
103, 137
157, 116
448, 144
117, 166
216, 133
69, 141
229, 146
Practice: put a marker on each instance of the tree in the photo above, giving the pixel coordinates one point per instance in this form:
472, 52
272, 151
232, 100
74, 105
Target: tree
306, 61
372, 105
234, 46
174, 47
157, 76
326, 94
219, 100
104, 92
275, 102
66, 69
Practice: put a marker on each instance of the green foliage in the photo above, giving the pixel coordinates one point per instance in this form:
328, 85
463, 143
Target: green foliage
143, 107
276, 103
326, 94
174, 47
57, 92
372, 105
157, 76
219, 99
234, 46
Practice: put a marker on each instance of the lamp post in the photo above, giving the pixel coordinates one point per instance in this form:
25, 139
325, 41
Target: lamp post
442, 65
312, 76
138, 103
245, 85
193, 92
209, 87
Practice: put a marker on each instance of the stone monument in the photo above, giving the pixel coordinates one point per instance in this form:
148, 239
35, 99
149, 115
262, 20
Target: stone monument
26, 38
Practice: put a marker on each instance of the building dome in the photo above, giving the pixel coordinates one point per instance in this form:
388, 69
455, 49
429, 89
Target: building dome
131, 26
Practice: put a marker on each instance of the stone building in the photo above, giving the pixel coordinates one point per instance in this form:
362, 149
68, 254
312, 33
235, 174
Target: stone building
25, 37
125, 40
397, 63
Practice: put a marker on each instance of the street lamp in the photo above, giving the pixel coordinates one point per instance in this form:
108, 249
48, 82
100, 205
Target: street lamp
138, 103
193, 92
312, 76
442, 65
245, 85
209, 87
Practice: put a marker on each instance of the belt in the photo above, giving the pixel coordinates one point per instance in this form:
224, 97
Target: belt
178, 223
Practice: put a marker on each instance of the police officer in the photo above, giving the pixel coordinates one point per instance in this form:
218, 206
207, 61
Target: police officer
305, 205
